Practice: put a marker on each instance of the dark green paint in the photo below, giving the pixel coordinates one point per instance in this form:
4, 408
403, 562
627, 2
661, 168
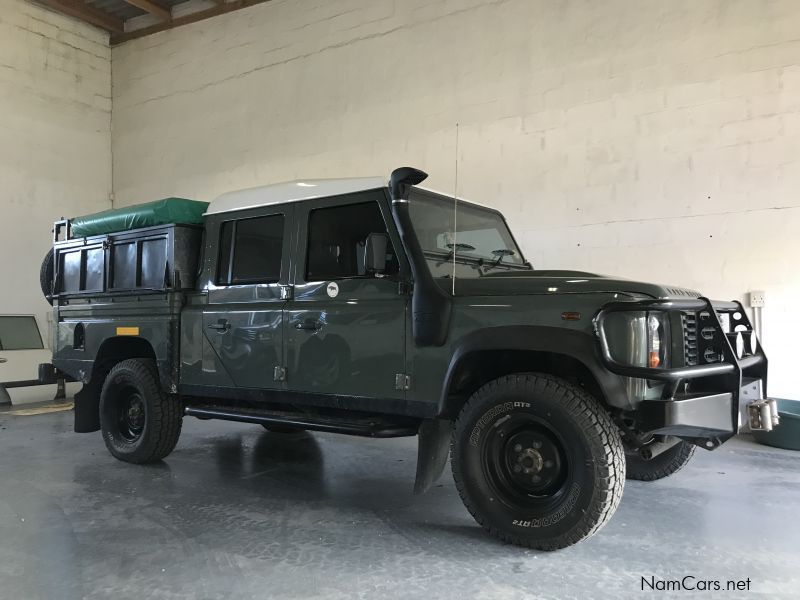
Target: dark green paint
363, 335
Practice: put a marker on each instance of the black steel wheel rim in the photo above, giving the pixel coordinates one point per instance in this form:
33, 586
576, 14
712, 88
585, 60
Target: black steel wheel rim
526, 463
130, 414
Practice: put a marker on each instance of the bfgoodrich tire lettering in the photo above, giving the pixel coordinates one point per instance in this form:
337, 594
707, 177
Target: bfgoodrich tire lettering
140, 423
537, 461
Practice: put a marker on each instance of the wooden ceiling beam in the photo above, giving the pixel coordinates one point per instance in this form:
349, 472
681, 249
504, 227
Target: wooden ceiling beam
220, 9
153, 8
88, 13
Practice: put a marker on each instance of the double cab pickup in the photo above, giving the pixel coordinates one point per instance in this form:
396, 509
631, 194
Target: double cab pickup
376, 307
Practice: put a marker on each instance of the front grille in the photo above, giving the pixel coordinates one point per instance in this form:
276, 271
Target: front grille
690, 349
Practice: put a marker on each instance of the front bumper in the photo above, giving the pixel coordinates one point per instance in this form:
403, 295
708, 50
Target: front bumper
704, 403
708, 417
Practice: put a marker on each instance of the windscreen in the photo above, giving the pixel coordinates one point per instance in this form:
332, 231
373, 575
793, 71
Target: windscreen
477, 238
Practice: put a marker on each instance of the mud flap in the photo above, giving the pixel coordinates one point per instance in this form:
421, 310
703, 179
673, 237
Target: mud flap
87, 409
432, 451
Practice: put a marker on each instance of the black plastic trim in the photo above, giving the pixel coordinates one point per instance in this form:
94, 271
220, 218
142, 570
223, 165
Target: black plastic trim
431, 306
535, 338
388, 406
376, 429
433, 449
402, 179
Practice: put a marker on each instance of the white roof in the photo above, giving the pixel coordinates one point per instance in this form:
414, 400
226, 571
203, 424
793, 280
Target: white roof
292, 191
306, 189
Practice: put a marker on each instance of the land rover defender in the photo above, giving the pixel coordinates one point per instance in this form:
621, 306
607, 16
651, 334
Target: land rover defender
380, 308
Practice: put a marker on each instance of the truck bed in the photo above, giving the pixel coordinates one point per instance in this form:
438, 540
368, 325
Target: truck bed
123, 288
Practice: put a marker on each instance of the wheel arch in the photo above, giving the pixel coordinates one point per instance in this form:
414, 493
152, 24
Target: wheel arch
117, 348
111, 352
491, 353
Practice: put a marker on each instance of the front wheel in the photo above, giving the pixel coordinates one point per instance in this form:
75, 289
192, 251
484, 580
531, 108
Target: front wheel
537, 461
140, 423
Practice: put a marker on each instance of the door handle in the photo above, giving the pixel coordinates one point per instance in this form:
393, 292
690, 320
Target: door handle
309, 325
221, 326
3, 360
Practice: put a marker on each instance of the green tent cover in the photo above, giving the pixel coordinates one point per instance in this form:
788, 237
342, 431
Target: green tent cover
149, 214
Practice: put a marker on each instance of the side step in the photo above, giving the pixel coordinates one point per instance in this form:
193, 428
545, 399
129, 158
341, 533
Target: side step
361, 425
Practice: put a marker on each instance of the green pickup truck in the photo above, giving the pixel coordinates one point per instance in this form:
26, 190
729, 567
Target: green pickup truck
380, 308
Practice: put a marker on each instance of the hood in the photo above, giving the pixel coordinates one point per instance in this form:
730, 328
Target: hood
512, 283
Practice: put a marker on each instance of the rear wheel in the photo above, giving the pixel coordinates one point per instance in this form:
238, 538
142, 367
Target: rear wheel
537, 461
662, 465
140, 423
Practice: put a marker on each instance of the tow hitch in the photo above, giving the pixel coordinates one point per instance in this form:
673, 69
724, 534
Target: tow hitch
763, 414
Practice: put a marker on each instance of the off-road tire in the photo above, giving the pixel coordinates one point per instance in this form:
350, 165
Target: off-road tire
161, 414
47, 275
590, 445
665, 464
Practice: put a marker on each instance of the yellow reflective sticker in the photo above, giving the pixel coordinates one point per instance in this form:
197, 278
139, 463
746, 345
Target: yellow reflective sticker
127, 331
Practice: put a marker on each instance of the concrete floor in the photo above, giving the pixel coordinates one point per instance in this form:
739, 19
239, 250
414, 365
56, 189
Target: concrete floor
236, 512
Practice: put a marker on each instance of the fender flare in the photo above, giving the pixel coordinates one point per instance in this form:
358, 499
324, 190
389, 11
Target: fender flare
111, 350
578, 345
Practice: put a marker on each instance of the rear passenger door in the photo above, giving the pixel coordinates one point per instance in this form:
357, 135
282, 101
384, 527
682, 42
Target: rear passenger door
243, 320
345, 326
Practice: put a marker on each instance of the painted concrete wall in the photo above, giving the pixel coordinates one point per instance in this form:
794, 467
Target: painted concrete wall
55, 139
650, 139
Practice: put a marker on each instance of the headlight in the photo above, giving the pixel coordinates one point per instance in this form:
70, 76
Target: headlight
639, 338
657, 343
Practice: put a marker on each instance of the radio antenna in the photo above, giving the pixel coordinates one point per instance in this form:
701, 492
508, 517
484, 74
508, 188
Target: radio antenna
455, 215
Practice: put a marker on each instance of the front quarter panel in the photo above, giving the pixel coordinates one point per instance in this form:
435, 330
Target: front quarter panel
527, 323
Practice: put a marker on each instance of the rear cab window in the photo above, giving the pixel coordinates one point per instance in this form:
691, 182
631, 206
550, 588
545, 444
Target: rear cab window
251, 250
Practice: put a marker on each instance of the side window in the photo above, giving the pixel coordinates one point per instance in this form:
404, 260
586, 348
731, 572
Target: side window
337, 239
250, 250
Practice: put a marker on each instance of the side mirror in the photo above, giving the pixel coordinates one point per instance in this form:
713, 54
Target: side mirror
375, 253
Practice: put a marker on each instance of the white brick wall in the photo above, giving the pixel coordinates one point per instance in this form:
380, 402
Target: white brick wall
651, 139
55, 139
